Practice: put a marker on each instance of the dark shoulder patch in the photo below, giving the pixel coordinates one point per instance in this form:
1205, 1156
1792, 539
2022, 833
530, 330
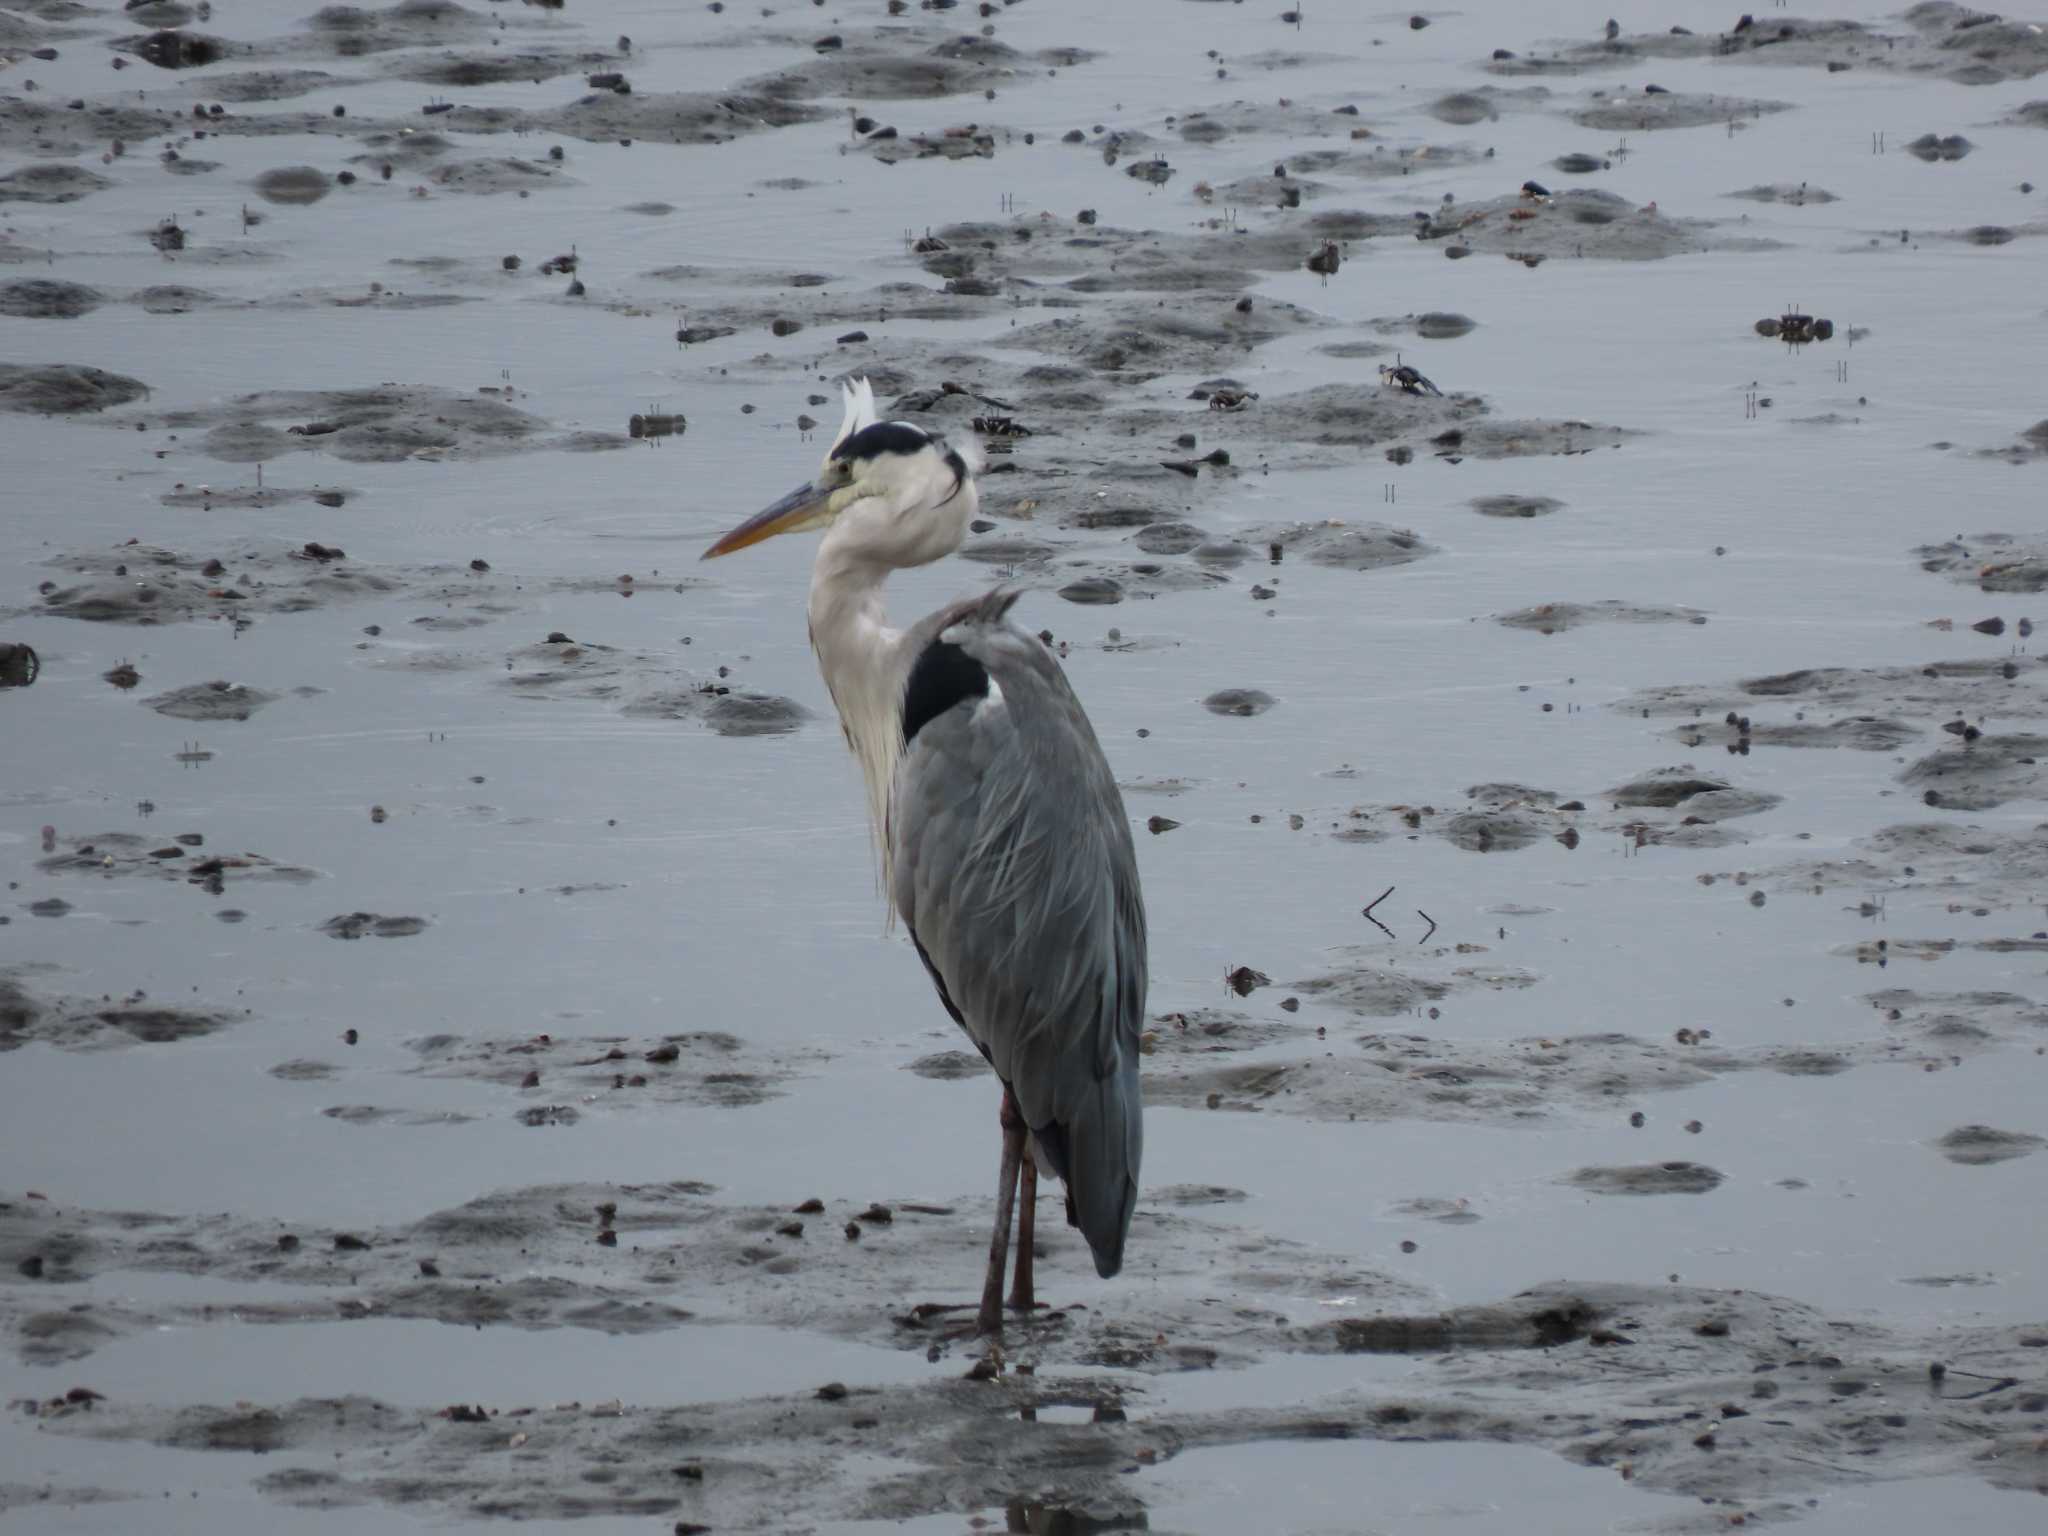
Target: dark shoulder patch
883, 437
943, 676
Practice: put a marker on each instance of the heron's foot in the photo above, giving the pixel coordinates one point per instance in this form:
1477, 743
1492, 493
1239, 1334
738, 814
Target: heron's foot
958, 1322
953, 1320
929, 1314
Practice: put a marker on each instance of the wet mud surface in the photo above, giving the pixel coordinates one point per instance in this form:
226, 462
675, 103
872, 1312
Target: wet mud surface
1771, 1385
82, 1024
1958, 42
459, 899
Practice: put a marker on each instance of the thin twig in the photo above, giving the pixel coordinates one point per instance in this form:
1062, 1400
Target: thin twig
1383, 928
1997, 1386
1427, 919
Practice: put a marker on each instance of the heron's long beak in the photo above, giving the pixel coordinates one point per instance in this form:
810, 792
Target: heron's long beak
808, 506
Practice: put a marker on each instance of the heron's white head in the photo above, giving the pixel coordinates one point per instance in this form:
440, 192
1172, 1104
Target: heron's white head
888, 491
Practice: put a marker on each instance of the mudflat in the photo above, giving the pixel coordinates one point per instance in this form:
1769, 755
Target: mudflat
452, 1063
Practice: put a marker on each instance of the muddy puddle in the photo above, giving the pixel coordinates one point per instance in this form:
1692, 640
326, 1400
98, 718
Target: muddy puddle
452, 1066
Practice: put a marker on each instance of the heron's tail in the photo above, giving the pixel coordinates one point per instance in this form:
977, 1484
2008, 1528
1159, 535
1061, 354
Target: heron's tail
1105, 1142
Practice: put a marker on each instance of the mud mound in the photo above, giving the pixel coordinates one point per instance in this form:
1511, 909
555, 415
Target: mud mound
79, 1024
173, 299
1934, 148
179, 49
213, 701
1978, 775
878, 72
1554, 618
1979, 1145
1581, 222
294, 185
147, 584
705, 1068
1464, 108
1981, 48
1794, 195
1856, 733
1700, 796
55, 183
1434, 325
1943, 859
496, 174
120, 855
385, 424
1450, 426
33, 128
1367, 547
358, 925
43, 298
728, 711
1241, 702
1966, 46
1516, 506
1993, 562
1495, 829
1217, 122
1141, 340
645, 682
1936, 693
674, 117
1094, 258
350, 31
1363, 415
64, 389
267, 84
1649, 1179
1645, 113
499, 66
1501, 818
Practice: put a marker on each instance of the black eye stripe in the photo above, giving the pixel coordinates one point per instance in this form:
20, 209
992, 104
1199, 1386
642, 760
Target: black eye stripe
883, 437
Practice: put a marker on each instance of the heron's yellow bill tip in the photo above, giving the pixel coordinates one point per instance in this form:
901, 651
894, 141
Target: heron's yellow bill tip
739, 538
801, 508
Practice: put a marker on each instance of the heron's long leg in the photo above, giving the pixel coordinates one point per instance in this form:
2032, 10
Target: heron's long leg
990, 1318
1027, 1213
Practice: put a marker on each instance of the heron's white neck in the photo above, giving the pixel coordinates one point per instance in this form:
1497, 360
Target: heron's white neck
857, 655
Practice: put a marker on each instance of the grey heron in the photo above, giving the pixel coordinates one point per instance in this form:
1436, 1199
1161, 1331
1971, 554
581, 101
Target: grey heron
1001, 833
1406, 379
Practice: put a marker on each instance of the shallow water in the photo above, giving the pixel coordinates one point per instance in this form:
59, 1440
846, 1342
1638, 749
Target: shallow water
591, 874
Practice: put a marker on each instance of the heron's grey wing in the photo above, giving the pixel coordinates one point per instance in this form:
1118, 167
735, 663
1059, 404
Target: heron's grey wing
1014, 869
